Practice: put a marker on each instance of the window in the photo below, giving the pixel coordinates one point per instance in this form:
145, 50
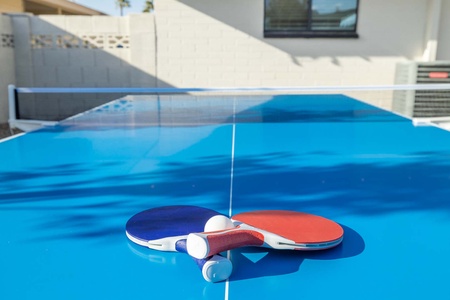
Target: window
310, 18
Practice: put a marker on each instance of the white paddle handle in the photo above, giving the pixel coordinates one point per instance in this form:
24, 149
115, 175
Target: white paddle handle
202, 245
214, 269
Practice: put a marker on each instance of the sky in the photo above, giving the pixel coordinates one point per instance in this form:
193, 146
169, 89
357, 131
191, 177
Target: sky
327, 6
109, 6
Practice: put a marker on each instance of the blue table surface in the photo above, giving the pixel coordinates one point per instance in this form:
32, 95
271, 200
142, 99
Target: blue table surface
67, 191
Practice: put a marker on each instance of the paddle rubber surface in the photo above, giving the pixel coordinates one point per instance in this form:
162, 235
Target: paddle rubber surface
278, 229
166, 228
297, 226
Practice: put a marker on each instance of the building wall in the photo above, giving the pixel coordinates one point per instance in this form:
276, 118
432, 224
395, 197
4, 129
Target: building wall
443, 51
11, 6
221, 43
209, 43
80, 51
7, 74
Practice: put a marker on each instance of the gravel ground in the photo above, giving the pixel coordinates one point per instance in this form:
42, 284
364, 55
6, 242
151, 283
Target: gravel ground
6, 132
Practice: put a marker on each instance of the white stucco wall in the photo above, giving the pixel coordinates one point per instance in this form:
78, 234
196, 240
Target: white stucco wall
7, 74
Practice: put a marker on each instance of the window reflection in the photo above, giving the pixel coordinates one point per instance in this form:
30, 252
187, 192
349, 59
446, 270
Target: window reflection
310, 15
333, 14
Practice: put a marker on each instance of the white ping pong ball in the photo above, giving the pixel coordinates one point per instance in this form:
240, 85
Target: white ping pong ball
218, 222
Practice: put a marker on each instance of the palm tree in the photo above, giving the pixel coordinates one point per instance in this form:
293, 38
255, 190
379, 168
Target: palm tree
148, 6
121, 4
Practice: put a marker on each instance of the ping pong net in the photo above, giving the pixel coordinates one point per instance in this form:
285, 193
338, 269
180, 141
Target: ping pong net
32, 107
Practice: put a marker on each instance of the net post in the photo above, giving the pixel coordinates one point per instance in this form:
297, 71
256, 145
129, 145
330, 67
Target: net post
12, 104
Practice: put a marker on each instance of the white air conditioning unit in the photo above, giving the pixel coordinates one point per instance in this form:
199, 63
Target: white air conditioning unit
422, 103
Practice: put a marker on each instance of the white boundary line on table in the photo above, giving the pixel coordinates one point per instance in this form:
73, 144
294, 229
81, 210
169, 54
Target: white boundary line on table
230, 204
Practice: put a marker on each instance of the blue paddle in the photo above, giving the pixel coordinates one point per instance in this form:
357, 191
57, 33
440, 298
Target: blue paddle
166, 229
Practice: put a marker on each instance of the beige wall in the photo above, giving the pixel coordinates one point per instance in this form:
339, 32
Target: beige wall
11, 6
39, 7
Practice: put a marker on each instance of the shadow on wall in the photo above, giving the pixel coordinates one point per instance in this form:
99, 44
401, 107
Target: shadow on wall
79, 51
377, 39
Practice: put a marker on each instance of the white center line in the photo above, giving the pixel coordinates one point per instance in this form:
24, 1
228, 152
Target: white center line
227, 283
230, 207
233, 139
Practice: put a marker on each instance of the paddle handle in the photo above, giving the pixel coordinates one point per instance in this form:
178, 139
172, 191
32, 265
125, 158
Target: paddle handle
202, 245
214, 269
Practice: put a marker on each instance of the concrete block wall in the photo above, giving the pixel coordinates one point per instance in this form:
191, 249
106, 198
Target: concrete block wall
221, 43
195, 49
81, 51
199, 43
7, 74
227, 45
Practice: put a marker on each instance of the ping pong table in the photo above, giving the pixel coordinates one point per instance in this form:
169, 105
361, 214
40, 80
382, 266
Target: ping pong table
67, 191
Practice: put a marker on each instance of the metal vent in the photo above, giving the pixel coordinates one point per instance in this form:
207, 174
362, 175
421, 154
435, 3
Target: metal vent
423, 103
433, 73
430, 104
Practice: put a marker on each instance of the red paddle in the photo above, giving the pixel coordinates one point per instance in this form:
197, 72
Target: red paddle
277, 229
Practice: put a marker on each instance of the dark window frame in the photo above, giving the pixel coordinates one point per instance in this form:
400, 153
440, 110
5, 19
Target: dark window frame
311, 33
